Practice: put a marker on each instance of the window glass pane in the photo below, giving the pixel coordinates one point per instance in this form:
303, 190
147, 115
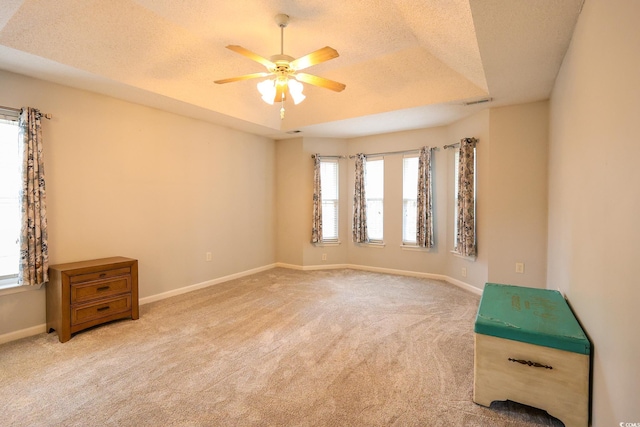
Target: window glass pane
409, 222
409, 199
410, 178
9, 208
329, 220
329, 182
374, 189
329, 177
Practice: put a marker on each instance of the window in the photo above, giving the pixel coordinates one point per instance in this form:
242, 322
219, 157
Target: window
10, 160
409, 199
329, 183
374, 190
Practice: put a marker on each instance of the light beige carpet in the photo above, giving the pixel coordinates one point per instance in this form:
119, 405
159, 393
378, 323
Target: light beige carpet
279, 348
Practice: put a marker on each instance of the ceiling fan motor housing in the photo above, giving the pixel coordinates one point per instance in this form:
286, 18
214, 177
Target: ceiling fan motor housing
282, 20
282, 64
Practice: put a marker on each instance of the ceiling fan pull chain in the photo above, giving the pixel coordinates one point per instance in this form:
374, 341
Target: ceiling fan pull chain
282, 109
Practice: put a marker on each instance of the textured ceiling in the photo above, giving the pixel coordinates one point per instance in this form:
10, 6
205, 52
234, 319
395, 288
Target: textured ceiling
406, 63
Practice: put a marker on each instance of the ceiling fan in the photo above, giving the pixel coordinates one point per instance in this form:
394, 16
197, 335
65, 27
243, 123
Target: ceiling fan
285, 71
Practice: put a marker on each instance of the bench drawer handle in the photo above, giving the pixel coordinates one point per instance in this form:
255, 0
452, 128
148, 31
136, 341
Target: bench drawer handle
103, 288
103, 274
530, 363
103, 308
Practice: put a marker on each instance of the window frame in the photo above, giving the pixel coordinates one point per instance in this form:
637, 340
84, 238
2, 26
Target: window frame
375, 241
409, 243
9, 283
336, 202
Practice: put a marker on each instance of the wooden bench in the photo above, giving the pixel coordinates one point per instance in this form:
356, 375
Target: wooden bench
530, 349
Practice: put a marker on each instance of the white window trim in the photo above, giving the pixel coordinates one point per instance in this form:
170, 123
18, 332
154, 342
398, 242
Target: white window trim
408, 243
372, 244
377, 242
9, 284
324, 243
414, 248
468, 258
336, 241
8, 290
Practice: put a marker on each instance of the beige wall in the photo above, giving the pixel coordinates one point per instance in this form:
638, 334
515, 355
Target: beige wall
392, 255
517, 194
290, 199
594, 198
123, 179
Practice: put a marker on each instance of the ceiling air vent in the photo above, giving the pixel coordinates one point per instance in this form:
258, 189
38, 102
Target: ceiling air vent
293, 132
479, 101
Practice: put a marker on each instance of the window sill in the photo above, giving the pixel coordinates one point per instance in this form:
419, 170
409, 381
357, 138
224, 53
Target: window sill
414, 248
8, 290
468, 258
377, 245
323, 244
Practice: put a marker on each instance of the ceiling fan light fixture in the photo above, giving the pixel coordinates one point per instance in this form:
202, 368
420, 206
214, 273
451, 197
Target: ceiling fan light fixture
267, 89
295, 89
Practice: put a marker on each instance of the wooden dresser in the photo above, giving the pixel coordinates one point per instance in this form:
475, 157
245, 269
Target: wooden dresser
88, 293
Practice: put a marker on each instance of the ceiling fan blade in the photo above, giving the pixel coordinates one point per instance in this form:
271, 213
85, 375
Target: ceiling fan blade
320, 81
245, 77
251, 55
320, 55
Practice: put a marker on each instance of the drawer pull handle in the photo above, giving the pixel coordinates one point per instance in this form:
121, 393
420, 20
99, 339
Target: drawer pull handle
530, 363
103, 288
103, 308
103, 274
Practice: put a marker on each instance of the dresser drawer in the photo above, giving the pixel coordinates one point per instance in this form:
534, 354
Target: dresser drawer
87, 291
104, 308
99, 275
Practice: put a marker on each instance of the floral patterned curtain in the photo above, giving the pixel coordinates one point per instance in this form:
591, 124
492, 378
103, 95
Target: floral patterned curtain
360, 234
466, 198
424, 226
34, 252
316, 229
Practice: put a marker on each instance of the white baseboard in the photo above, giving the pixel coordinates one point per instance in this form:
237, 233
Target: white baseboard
312, 267
463, 285
184, 290
456, 282
23, 333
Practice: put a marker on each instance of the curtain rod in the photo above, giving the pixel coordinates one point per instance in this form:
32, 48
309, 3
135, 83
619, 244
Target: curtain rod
396, 152
19, 110
313, 156
457, 144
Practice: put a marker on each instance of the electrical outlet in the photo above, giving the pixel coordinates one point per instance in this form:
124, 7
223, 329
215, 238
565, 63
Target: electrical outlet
208, 256
324, 257
520, 267
464, 271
